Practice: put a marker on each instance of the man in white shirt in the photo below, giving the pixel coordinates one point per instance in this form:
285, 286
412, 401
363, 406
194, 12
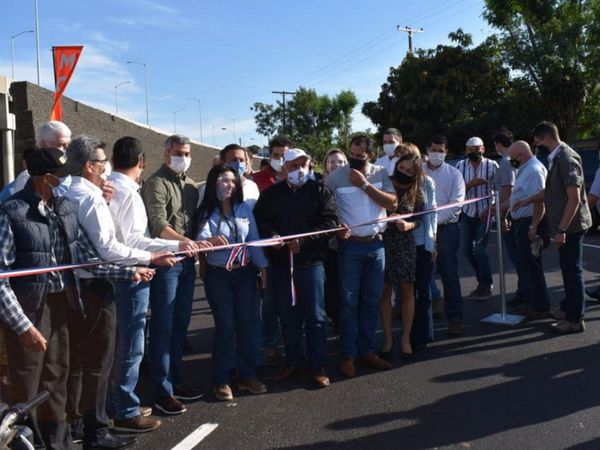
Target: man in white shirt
93, 340
392, 138
235, 157
449, 188
363, 192
132, 299
479, 174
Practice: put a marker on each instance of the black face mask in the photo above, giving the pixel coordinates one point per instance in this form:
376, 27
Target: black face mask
474, 156
357, 164
402, 178
515, 163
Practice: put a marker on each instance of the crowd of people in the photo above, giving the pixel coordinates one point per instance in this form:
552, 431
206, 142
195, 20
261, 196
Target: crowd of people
364, 234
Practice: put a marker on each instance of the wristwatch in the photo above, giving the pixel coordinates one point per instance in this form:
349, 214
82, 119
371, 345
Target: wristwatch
560, 231
365, 186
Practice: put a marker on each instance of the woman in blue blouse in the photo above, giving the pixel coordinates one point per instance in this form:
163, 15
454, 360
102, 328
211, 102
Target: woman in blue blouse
231, 291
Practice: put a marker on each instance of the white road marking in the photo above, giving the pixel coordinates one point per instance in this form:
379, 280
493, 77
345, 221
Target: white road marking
196, 436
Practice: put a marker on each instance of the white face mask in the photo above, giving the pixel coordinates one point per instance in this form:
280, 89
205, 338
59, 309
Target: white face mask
389, 149
436, 158
180, 164
298, 177
107, 170
276, 164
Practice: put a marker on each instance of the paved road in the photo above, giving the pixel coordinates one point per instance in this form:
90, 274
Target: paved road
493, 388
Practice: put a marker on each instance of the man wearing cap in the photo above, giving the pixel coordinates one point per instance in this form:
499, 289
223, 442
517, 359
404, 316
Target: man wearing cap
363, 192
93, 339
299, 205
39, 230
392, 138
478, 173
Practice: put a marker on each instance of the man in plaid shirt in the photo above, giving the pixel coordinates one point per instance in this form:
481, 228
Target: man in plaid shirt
38, 230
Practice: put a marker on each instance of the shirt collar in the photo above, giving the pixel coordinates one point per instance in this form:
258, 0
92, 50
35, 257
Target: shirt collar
87, 185
169, 173
121, 178
553, 153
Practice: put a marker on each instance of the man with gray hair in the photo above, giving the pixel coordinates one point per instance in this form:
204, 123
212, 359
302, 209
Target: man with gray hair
52, 134
171, 198
92, 340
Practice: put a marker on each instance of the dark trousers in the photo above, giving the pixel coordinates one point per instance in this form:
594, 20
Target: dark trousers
531, 266
448, 239
32, 372
332, 290
422, 330
92, 353
570, 256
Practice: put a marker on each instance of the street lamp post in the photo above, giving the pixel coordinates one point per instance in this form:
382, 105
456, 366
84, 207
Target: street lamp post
213, 133
116, 98
199, 114
175, 118
146, 87
234, 134
12, 49
37, 40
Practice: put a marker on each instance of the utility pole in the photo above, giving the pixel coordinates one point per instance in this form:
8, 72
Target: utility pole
410, 31
283, 94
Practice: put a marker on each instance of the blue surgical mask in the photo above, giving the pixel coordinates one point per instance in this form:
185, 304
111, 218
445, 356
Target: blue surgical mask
238, 166
62, 188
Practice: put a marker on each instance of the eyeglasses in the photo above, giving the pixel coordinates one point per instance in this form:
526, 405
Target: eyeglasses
99, 161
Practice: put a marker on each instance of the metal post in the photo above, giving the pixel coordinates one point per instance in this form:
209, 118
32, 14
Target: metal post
503, 318
146, 85
37, 40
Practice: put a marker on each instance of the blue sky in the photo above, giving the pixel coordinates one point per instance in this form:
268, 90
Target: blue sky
229, 54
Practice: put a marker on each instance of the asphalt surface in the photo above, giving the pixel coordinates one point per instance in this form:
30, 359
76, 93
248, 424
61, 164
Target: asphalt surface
496, 387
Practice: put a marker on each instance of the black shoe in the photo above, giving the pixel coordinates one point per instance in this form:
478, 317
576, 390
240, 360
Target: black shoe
594, 293
387, 355
109, 440
187, 393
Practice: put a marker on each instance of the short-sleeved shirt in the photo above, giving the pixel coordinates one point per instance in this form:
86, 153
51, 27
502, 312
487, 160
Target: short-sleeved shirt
354, 205
487, 170
531, 178
565, 171
506, 173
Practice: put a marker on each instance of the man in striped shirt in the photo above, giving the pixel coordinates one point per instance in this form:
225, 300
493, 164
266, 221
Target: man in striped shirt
478, 173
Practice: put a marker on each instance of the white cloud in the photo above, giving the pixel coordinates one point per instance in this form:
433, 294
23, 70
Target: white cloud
153, 14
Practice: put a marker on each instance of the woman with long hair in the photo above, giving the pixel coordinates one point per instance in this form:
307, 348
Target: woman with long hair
231, 285
400, 249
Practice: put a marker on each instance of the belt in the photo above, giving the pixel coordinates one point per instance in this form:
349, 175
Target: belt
232, 267
365, 239
446, 224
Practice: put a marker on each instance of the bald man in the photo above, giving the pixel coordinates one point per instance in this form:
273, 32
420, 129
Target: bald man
530, 179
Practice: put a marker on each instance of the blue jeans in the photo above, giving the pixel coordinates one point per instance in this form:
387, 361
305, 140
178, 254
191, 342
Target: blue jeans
447, 262
422, 330
361, 271
570, 256
132, 306
236, 312
531, 266
436, 294
308, 314
270, 315
510, 240
474, 245
171, 296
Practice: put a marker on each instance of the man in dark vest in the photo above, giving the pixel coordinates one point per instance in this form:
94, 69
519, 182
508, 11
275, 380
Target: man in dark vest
38, 230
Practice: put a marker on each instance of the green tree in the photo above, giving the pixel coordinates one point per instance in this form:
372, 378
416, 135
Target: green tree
457, 90
313, 122
555, 45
